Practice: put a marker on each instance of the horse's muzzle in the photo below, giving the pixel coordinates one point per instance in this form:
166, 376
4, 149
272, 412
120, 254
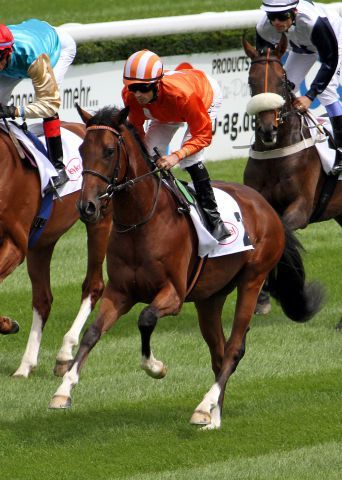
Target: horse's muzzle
89, 213
268, 136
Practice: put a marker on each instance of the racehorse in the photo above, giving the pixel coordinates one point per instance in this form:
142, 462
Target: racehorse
152, 254
284, 165
20, 203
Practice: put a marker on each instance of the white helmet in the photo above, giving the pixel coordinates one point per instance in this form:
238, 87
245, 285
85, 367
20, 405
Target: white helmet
278, 5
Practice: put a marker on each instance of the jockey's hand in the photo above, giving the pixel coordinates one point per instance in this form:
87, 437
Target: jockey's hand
302, 103
167, 161
7, 111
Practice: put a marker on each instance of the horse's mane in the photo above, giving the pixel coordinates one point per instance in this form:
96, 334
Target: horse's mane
110, 116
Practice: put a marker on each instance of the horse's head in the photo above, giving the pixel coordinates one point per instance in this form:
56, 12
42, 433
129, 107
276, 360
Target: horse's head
102, 152
270, 90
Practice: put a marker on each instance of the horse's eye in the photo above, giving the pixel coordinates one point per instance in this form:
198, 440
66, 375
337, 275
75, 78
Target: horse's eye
109, 152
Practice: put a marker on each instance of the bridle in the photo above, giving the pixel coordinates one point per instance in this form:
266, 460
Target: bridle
286, 88
112, 182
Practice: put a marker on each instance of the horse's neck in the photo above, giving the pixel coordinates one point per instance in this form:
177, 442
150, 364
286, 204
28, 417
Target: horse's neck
137, 201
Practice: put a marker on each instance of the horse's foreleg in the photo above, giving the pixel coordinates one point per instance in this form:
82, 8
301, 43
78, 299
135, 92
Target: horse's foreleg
208, 412
92, 289
71, 338
110, 310
167, 302
38, 267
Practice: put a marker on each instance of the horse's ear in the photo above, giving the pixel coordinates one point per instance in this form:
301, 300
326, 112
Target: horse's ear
123, 115
251, 52
281, 47
83, 114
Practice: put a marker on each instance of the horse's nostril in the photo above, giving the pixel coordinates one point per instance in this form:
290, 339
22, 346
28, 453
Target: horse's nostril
90, 209
87, 209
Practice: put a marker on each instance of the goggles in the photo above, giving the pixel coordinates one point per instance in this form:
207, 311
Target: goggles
141, 87
281, 16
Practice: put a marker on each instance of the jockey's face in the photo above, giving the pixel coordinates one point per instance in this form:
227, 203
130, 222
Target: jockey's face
143, 92
281, 21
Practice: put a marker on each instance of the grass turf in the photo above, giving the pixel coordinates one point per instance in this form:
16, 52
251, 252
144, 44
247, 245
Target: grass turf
282, 408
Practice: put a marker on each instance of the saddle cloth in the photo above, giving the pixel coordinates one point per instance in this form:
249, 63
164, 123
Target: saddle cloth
231, 215
327, 154
71, 157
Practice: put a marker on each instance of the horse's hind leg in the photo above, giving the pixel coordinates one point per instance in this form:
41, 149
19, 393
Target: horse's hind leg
38, 266
208, 412
92, 289
210, 321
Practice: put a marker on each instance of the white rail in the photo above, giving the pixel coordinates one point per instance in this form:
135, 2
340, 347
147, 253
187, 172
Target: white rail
148, 27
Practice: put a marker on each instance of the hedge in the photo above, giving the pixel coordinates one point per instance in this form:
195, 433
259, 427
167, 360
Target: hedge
111, 50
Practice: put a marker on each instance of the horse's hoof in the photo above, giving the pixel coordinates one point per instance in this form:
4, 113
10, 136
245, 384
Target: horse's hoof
61, 368
262, 308
20, 374
8, 326
156, 374
200, 418
60, 402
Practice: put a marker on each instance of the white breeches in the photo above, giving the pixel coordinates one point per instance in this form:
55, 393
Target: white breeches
67, 55
297, 67
160, 134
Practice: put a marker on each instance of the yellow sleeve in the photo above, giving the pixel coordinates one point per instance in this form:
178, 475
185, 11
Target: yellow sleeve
47, 97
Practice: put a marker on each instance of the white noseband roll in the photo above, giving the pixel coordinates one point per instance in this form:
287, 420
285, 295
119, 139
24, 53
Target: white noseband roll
264, 101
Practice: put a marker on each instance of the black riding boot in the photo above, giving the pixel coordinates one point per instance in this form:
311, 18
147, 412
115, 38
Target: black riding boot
336, 123
52, 132
206, 199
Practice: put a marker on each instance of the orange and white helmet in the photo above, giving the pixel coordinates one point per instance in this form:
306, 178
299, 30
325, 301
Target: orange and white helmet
143, 67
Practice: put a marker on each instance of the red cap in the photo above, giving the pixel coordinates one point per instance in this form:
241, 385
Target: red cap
6, 37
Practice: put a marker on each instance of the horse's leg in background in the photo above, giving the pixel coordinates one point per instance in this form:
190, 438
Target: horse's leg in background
167, 302
38, 267
339, 323
210, 320
263, 306
92, 289
113, 305
208, 412
11, 255
8, 326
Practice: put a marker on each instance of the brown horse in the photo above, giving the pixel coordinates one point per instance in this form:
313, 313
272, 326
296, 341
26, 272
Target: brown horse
20, 203
284, 165
152, 253
291, 182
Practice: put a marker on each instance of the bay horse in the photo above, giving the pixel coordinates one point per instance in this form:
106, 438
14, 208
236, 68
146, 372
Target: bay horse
284, 164
152, 253
20, 203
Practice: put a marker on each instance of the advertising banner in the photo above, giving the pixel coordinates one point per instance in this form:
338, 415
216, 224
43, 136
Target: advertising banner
96, 85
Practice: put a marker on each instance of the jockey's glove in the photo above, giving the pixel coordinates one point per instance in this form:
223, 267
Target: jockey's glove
7, 111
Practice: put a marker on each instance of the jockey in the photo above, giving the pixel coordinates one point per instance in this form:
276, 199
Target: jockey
312, 34
36, 50
168, 99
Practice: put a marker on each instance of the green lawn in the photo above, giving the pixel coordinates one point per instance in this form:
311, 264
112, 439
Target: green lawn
282, 408
86, 11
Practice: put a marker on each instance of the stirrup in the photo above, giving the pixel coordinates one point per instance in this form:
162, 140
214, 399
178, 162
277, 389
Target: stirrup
58, 181
220, 231
336, 169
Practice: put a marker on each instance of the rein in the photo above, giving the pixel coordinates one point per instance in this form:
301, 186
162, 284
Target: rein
112, 182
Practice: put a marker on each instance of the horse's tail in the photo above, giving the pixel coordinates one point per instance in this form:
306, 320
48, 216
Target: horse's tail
299, 300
